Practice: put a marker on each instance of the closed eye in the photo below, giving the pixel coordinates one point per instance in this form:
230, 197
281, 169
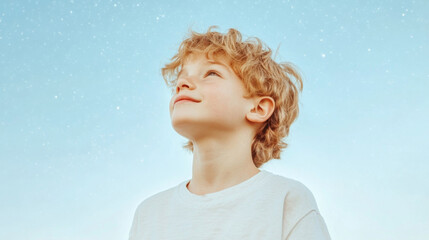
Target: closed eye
210, 73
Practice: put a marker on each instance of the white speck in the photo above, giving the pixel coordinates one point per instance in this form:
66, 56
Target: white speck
117, 107
71, 12
323, 55
160, 16
411, 36
369, 49
403, 14
55, 97
321, 39
115, 5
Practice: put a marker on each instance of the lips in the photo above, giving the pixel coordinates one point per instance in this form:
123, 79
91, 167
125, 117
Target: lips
184, 97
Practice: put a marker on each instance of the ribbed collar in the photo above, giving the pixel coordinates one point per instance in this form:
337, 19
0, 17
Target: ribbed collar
221, 197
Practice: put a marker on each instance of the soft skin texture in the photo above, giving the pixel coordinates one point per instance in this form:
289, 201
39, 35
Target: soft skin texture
221, 124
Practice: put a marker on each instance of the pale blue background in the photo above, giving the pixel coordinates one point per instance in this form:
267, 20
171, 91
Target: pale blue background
85, 133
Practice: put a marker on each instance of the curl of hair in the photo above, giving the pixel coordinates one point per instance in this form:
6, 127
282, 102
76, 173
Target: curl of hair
262, 76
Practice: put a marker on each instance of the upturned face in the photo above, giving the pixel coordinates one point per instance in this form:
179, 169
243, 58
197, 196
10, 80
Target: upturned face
217, 106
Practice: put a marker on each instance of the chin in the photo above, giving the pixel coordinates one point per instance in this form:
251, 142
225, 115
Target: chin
189, 130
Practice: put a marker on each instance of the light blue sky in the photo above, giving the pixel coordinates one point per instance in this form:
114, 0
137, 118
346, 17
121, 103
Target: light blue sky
85, 133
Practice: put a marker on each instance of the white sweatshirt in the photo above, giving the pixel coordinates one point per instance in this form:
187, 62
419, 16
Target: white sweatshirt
264, 207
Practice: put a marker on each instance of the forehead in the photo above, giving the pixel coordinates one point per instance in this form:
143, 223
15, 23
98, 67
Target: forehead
199, 58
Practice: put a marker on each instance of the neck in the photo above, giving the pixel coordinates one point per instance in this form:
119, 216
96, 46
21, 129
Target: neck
221, 163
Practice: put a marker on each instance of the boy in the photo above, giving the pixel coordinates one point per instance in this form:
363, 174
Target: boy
234, 104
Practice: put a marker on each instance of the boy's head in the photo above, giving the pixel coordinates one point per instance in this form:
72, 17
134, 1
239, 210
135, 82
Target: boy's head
236, 87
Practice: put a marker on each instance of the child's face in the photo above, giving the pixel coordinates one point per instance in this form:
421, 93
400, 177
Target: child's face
220, 108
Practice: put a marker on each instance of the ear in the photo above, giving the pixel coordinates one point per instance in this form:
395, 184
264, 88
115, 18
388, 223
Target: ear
263, 108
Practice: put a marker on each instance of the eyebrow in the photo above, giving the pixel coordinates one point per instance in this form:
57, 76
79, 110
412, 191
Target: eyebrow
212, 62
217, 63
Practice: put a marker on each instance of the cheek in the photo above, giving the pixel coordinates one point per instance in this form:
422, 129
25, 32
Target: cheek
170, 107
223, 104
215, 103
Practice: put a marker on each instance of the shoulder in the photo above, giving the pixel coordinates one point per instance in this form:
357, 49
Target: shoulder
296, 194
149, 207
298, 203
299, 195
157, 199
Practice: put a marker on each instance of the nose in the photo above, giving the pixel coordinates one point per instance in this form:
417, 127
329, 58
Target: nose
182, 83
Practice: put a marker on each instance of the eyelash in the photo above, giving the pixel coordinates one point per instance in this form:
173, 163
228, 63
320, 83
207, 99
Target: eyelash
211, 71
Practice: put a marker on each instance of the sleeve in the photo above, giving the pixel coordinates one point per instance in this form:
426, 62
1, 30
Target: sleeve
310, 227
301, 216
134, 232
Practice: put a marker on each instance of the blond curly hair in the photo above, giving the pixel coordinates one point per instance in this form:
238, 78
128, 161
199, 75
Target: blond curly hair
262, 76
